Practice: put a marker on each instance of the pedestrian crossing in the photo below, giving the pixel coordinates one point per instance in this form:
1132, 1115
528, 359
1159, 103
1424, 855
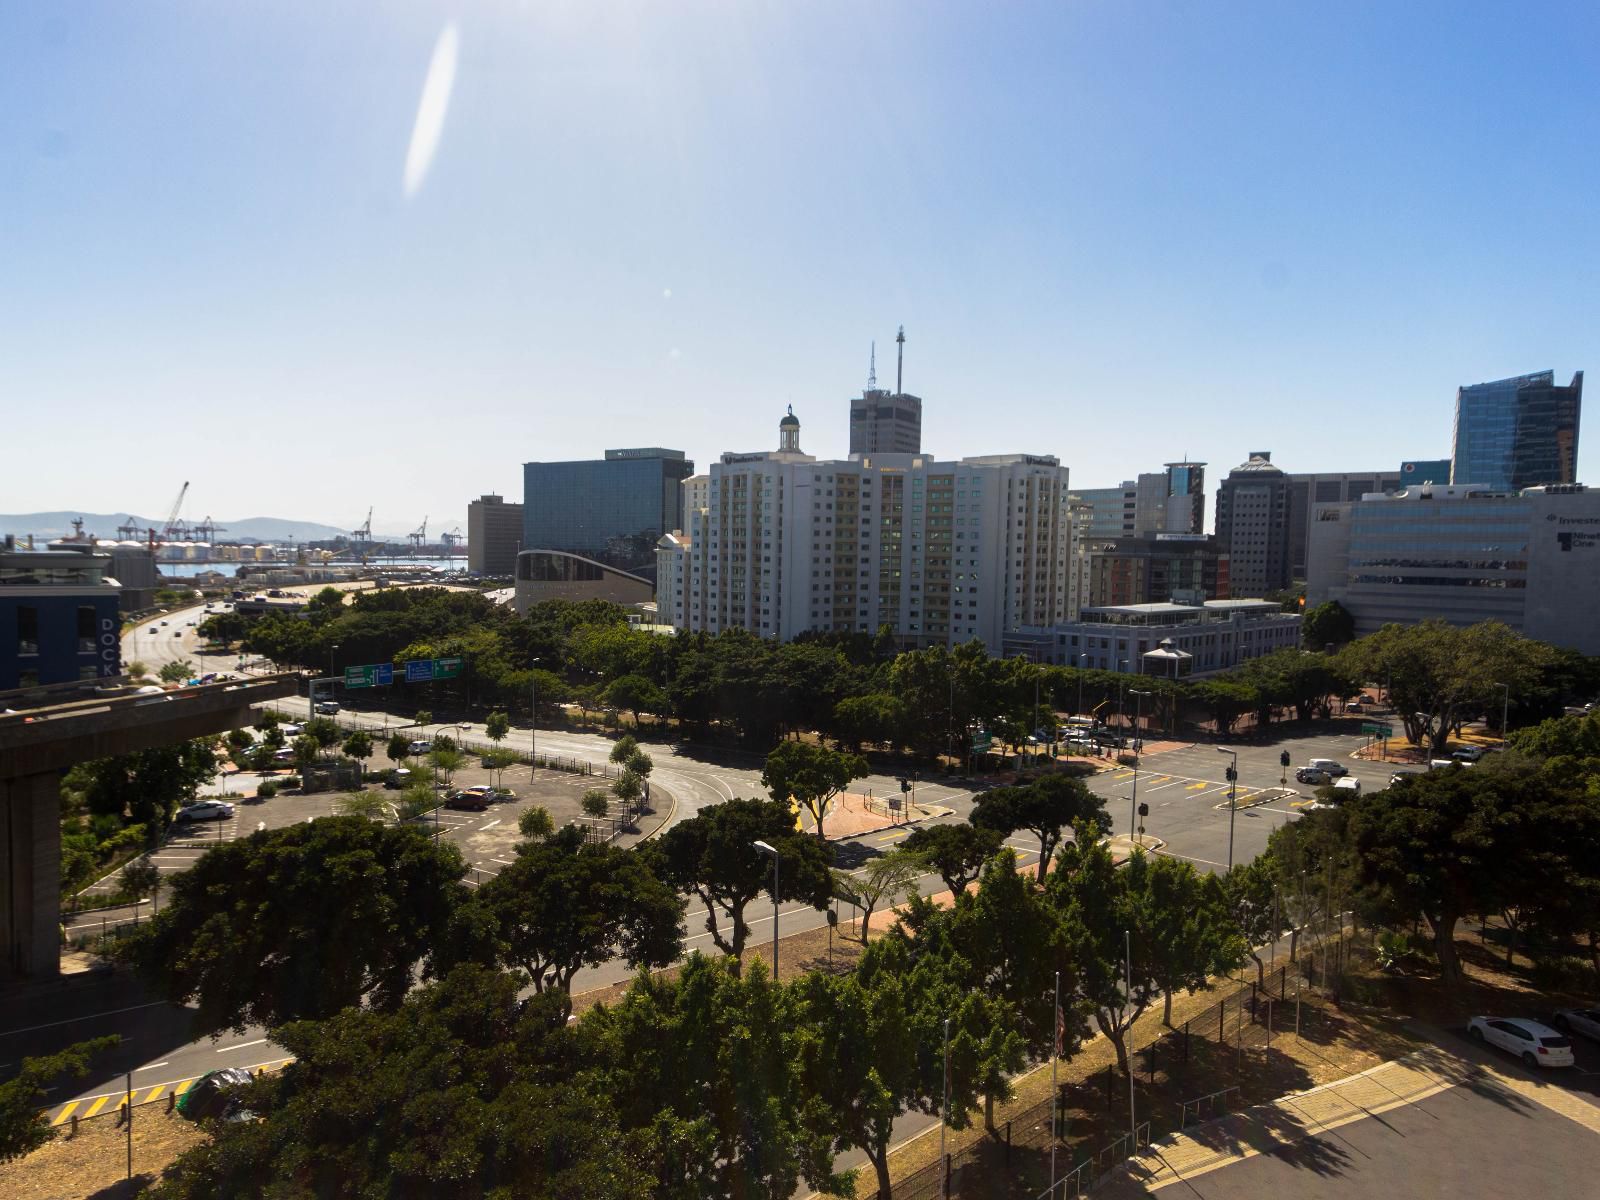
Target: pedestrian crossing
87, 1107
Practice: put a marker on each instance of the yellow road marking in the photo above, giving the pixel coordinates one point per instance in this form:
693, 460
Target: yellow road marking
154, 1092
183, 1087
1123, 775
96, 1106
65, 1113
891, 837
1196, 787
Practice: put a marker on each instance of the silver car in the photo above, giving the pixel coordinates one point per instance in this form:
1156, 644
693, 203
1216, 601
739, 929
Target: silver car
1578, 1020
206, 810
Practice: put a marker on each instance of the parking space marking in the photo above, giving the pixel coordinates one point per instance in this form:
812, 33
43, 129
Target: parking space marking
490, 825
1199, 784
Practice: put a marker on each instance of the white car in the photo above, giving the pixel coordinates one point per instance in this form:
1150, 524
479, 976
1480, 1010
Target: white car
206, 810
1578, 1020
290, 729
1535, 1044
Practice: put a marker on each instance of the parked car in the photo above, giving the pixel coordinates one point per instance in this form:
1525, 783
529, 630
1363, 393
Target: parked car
1314, 775
419, 746
291, 729
206, 810
327, 707
1469, 754
209, 1095
1536, 1044
469, 799
1578, 1020
1355, 706
1350, 787
397, 778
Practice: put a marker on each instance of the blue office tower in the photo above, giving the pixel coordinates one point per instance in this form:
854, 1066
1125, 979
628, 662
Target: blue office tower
612, 510
1517, 433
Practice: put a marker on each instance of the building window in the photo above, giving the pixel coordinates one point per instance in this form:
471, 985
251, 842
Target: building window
86, 628
27, 631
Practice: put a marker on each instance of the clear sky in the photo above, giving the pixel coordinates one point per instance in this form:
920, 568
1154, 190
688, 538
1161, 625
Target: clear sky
267, 248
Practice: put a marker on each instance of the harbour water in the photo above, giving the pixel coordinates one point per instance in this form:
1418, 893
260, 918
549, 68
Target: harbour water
188, 570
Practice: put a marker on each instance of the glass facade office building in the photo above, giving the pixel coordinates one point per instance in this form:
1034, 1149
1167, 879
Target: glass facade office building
1517, 433
612, 510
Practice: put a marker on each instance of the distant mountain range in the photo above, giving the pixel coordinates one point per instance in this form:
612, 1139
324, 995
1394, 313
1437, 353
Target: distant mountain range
47, 525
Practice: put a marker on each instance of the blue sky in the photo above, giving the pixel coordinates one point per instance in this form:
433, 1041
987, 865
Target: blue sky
1115, 232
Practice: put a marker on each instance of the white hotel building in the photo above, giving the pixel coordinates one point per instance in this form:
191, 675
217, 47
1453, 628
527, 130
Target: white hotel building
941, 552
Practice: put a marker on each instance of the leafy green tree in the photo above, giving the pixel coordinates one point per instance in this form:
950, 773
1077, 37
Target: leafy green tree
24, 1126
358, 745
299, 922
239, 742
1252, 892
136, 670
266, 719
1046, 808
714, 855
325, 730
496, 727
369, 805
635, 694
957, 851
562, 906
719, 1090
424, 717
1225, 700
497, 761
877, 718
141, 877
463, 1092
811, 775
627, 788
446, 760
1328, 624
1185, 925
176, 672
596, 803
1438, 674
535, 824
624, 748
263, 758
640, 764
147, 786
1098, 907
416, 798
883, 881
306, 750
399, 747
1457, 841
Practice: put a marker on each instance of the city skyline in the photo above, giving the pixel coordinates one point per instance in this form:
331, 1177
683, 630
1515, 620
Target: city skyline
384, 251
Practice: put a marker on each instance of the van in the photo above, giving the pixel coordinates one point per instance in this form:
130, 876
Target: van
1348, 786
1330, 766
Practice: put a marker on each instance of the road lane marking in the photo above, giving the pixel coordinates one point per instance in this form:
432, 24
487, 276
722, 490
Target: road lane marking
99, 1103
155, 1093
153, 1066
242, 1045
65, 1113
490, 825
110, 1012
892, 836
1199, 785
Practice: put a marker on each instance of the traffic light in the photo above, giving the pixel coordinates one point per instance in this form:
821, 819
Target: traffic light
1283, 759
905, 785
1231, 773
1144, 809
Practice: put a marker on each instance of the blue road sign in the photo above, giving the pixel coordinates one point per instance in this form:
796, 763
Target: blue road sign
419, 670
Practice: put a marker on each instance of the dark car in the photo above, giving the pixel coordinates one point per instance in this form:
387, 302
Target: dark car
210, 1094
470, 799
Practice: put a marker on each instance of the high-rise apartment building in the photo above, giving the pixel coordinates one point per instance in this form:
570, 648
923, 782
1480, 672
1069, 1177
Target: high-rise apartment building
1464, 554
494, 535
1186, 498
1253, 519
885, 422
611, 510
696, 493
1157, 568
1517, 433
940, 552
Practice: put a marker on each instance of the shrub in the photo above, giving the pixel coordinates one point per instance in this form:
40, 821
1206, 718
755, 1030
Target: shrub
266, 790
1565, 973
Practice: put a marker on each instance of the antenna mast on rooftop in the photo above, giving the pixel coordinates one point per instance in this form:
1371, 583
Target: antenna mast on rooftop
900, 365
872, 369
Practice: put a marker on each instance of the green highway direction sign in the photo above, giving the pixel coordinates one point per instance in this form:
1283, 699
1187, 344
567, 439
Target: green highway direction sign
370, 675
422, 670
1384, 731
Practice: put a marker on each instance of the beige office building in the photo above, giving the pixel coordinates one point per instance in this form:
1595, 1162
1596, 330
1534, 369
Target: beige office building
494, 535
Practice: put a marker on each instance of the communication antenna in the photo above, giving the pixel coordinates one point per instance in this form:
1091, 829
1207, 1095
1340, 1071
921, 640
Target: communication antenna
872, 369
900, 366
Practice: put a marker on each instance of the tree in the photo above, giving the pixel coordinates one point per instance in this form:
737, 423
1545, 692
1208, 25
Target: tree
299, 922
535, 824
370, 806
877, 718
719, 1090
147, 786
1184, 923
596, 803
325, 730
359, 745
463, 1092
306, 750
136, 670
140, 878
239, 742
399, 747
496, 726
176, 672
563, 905
882, 881
497, 761
624, 748
1097, 905
1439, 674
957, 851
1046, 808
446, 760
1457, 841
641, 764
1328, 624
1252, 890
636, 694
811, 775
23, 1124
714, 855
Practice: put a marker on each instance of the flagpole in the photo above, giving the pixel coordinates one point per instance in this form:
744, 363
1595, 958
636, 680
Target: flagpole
1055, 1097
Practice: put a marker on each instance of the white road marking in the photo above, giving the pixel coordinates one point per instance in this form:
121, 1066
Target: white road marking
490, 825
242, 1045
86, 1017
153, 1066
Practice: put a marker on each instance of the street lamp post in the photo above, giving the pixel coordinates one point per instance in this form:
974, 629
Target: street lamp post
1079, 710
1133, 804
944, 1113
766, 849
533, 714
1233, 792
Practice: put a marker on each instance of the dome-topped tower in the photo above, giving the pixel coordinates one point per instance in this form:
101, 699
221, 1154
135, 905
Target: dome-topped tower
789, 432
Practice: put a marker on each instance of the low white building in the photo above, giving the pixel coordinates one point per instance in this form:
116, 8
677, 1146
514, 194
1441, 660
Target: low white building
1171, 640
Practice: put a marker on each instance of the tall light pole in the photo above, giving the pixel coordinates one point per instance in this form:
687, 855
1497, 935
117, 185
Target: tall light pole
1133, 804
1133, 1120
1233, 792
1079, 710
1055, 1096
1505, 705
944, 1113
533, 714
766, 849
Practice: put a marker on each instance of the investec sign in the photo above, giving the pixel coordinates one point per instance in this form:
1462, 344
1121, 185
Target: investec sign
1576, 539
